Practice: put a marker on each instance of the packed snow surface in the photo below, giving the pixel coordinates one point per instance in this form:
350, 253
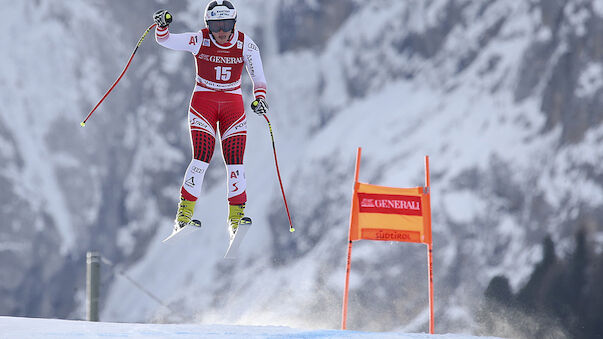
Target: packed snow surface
23, 328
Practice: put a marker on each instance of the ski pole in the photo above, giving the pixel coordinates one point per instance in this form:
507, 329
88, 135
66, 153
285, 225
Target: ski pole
83, 123
291, 228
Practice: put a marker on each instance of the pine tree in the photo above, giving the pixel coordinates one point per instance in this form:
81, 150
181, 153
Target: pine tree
562, 298
531, 294
499, 291
594, 306
493, 315
576, 278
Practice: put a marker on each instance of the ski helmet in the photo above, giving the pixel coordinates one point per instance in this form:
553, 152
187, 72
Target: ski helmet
220, 15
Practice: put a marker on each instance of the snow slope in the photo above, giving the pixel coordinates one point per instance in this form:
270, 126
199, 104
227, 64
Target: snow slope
30, 328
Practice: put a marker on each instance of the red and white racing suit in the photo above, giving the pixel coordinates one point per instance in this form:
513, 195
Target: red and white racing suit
217, 104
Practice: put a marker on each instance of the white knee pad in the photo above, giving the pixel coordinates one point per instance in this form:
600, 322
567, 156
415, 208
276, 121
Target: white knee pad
193, 179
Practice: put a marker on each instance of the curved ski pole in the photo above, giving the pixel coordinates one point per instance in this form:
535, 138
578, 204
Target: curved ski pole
291, 228
83, 123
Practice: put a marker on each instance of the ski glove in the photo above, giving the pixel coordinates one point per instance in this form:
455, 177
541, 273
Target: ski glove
259, 106
162, 18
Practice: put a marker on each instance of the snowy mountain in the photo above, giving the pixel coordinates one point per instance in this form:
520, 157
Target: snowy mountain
503, 96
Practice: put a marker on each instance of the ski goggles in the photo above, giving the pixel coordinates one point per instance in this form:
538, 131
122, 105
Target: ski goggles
221, 25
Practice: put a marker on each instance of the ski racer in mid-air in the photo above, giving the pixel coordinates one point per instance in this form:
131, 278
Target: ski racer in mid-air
216, 106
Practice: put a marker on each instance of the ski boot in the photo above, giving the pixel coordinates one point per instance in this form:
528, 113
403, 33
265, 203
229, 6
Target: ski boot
186, 209
235, 213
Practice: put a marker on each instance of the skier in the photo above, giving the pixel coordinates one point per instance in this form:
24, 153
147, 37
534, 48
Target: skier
216, 105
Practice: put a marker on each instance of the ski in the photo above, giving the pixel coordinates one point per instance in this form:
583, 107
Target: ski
237, 238
195, 223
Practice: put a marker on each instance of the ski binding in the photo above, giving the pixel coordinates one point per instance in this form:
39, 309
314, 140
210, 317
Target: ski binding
195, 223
